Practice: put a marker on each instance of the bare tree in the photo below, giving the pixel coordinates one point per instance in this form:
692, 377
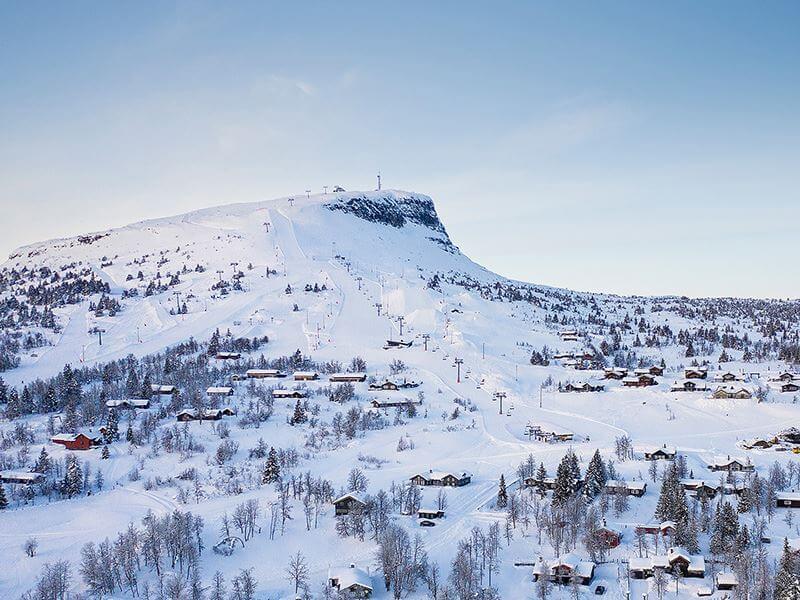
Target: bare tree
297, 571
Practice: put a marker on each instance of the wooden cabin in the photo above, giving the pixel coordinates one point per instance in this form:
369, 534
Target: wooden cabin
430, 513
697, 487
660, 453
787, 500
689, 385
642, 380
789, 386
344, 504
614, 373
347, 377
607, 537
228, 355
77, 441
441, 479
20, 477
163, 390
350, 582
128, 404
583, 387
725, 580
731, 391
264, 374
629, 488
400, 402
730, 465
690, 565
289, 394
220, 391
695, 373
564, 570
306, 375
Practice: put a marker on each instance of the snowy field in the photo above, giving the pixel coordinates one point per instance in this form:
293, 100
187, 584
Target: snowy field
361, 265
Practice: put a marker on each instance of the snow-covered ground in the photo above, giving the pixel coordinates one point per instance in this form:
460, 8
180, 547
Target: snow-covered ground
363, 264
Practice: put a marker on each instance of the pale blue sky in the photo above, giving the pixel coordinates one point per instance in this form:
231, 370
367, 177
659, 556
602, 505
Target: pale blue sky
625, 147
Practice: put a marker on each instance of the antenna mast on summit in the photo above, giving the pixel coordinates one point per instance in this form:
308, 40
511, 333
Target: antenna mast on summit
379, 181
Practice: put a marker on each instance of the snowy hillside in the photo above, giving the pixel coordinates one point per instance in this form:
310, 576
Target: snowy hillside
345, 282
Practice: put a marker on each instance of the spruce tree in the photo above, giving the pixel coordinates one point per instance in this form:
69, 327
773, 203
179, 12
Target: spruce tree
3, 499
299, 415
787, 586
502, 494
43, 462
105, 453
596, 476
111, 432
272, 469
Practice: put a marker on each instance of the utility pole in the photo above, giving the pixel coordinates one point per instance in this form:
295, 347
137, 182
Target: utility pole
220, 272
177, 302
100, 333
308, 194
378, 305
325, 187
425, 338
459, 362
379, 181
138, 337
234, 265
400, 320
358, 279
266, 224
483, 350
541, 387
500, 396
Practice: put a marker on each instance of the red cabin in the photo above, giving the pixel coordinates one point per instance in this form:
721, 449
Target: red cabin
75, 441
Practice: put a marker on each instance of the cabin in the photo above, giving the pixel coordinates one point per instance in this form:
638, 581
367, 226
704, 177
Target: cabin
441, 479
541, 435
730, 391
698, 487
228, 355
660, 453
20, 477
264, 374
186, 415
759, 443
786, 376
347, 377
564, 570
695, 373
430, 513
726, 376
129, 404
305, 375
220, 391
400, 402
386, 386
690, 565
629, 488
791, 435
666, 528
614, 373
607, 537
651, 370
787, 500
226, 412
689, 385
643, 380
548, 483
163, 390
725, 580
344, 504
789, 386
76, 441
350, 582
583, 387
731, 465
289, 394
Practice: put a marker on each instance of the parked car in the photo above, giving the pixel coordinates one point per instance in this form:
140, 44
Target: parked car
599, 590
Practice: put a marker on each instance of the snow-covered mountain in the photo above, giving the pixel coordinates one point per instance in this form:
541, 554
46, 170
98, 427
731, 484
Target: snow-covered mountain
332, 282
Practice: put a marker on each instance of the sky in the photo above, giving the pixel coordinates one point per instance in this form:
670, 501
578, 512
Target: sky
627, 147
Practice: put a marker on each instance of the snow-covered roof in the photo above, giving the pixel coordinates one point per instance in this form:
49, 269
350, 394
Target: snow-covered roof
219, 390
794, 496
348, 495
630, 485
727, 578
20, 476
132, 402
305, 374
442, 474
279, 393
664, 448
347, 577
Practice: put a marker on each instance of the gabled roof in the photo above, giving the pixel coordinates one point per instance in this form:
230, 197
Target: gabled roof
347, 577
346, 496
